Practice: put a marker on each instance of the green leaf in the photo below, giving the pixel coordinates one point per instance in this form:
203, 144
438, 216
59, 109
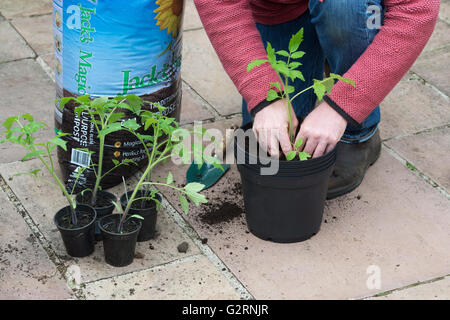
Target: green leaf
99, 102
255, 63
65, 100
297, 55
135, 102
272, 95
137, 216
319, 89
28, 117
291, 155
194, 187
9, 122
59, 142
290, 89
296, 40
169, 179
299, 143
271, 54
276, 85
283, 53
281, 67
116, 162
184, 204
116, 116
304, 156
340, 78
296, 74
131, 124
117, 126
329, 84
294, 65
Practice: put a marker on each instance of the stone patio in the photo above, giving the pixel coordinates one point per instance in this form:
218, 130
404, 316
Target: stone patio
396, 223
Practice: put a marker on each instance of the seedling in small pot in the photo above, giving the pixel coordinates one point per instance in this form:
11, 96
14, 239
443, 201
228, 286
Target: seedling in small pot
288, 70
77, 235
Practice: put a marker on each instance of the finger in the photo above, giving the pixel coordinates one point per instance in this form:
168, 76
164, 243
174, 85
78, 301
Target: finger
310, 146
285, 142
273, 146
320, 149
329, 148
262, 140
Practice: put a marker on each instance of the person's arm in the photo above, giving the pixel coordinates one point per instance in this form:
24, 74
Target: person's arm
408, 25
232, 31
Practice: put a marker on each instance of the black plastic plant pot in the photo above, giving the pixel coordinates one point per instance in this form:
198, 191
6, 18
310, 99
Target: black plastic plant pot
119, 247
78, 241
286, 206
148, 229
83, 198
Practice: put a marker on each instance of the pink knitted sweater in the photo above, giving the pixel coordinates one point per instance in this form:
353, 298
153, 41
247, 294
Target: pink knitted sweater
230, 25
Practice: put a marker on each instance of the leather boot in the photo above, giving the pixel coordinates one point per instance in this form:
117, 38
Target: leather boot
351, 164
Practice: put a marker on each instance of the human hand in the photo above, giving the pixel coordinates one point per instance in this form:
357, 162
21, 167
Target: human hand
271, 127
321, 130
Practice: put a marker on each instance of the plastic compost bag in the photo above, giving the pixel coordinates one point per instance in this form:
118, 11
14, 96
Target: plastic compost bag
110, 48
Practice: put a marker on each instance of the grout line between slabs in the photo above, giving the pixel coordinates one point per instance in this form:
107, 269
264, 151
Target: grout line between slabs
413, 285
409, 165
160, 266
428, 130
207, 251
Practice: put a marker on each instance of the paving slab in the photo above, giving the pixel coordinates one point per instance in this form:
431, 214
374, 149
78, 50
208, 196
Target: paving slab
436, 290
440, 37
42, 202
24, 8
428, 152
194, 278
394, 220
444, 12
26, 88
37, 31
49, 59
26, 272
191, 17
433, 67
13, 46
202, 70
193, 107
412, 107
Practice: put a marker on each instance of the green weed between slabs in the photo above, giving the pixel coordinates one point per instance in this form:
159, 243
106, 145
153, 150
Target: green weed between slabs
21, 130
289, 71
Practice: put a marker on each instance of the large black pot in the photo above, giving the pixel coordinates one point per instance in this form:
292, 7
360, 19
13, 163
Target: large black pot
287, 206
119, 247
79, 242
148, 229
101, 211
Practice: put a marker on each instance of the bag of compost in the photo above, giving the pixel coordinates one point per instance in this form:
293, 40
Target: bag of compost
110, 48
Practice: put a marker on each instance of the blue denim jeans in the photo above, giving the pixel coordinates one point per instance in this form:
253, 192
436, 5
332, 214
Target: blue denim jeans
333, 30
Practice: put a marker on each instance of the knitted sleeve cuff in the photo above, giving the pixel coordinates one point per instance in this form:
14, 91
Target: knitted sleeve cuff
339, 110
261, 106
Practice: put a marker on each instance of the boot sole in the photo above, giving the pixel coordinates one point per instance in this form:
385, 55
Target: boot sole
331, 194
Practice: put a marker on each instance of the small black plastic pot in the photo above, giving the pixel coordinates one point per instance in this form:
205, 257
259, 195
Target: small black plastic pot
287, 206
119, 247
101, 211
149, 214
79, 242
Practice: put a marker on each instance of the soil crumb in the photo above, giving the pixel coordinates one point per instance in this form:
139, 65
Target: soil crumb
183, 247
220, 212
